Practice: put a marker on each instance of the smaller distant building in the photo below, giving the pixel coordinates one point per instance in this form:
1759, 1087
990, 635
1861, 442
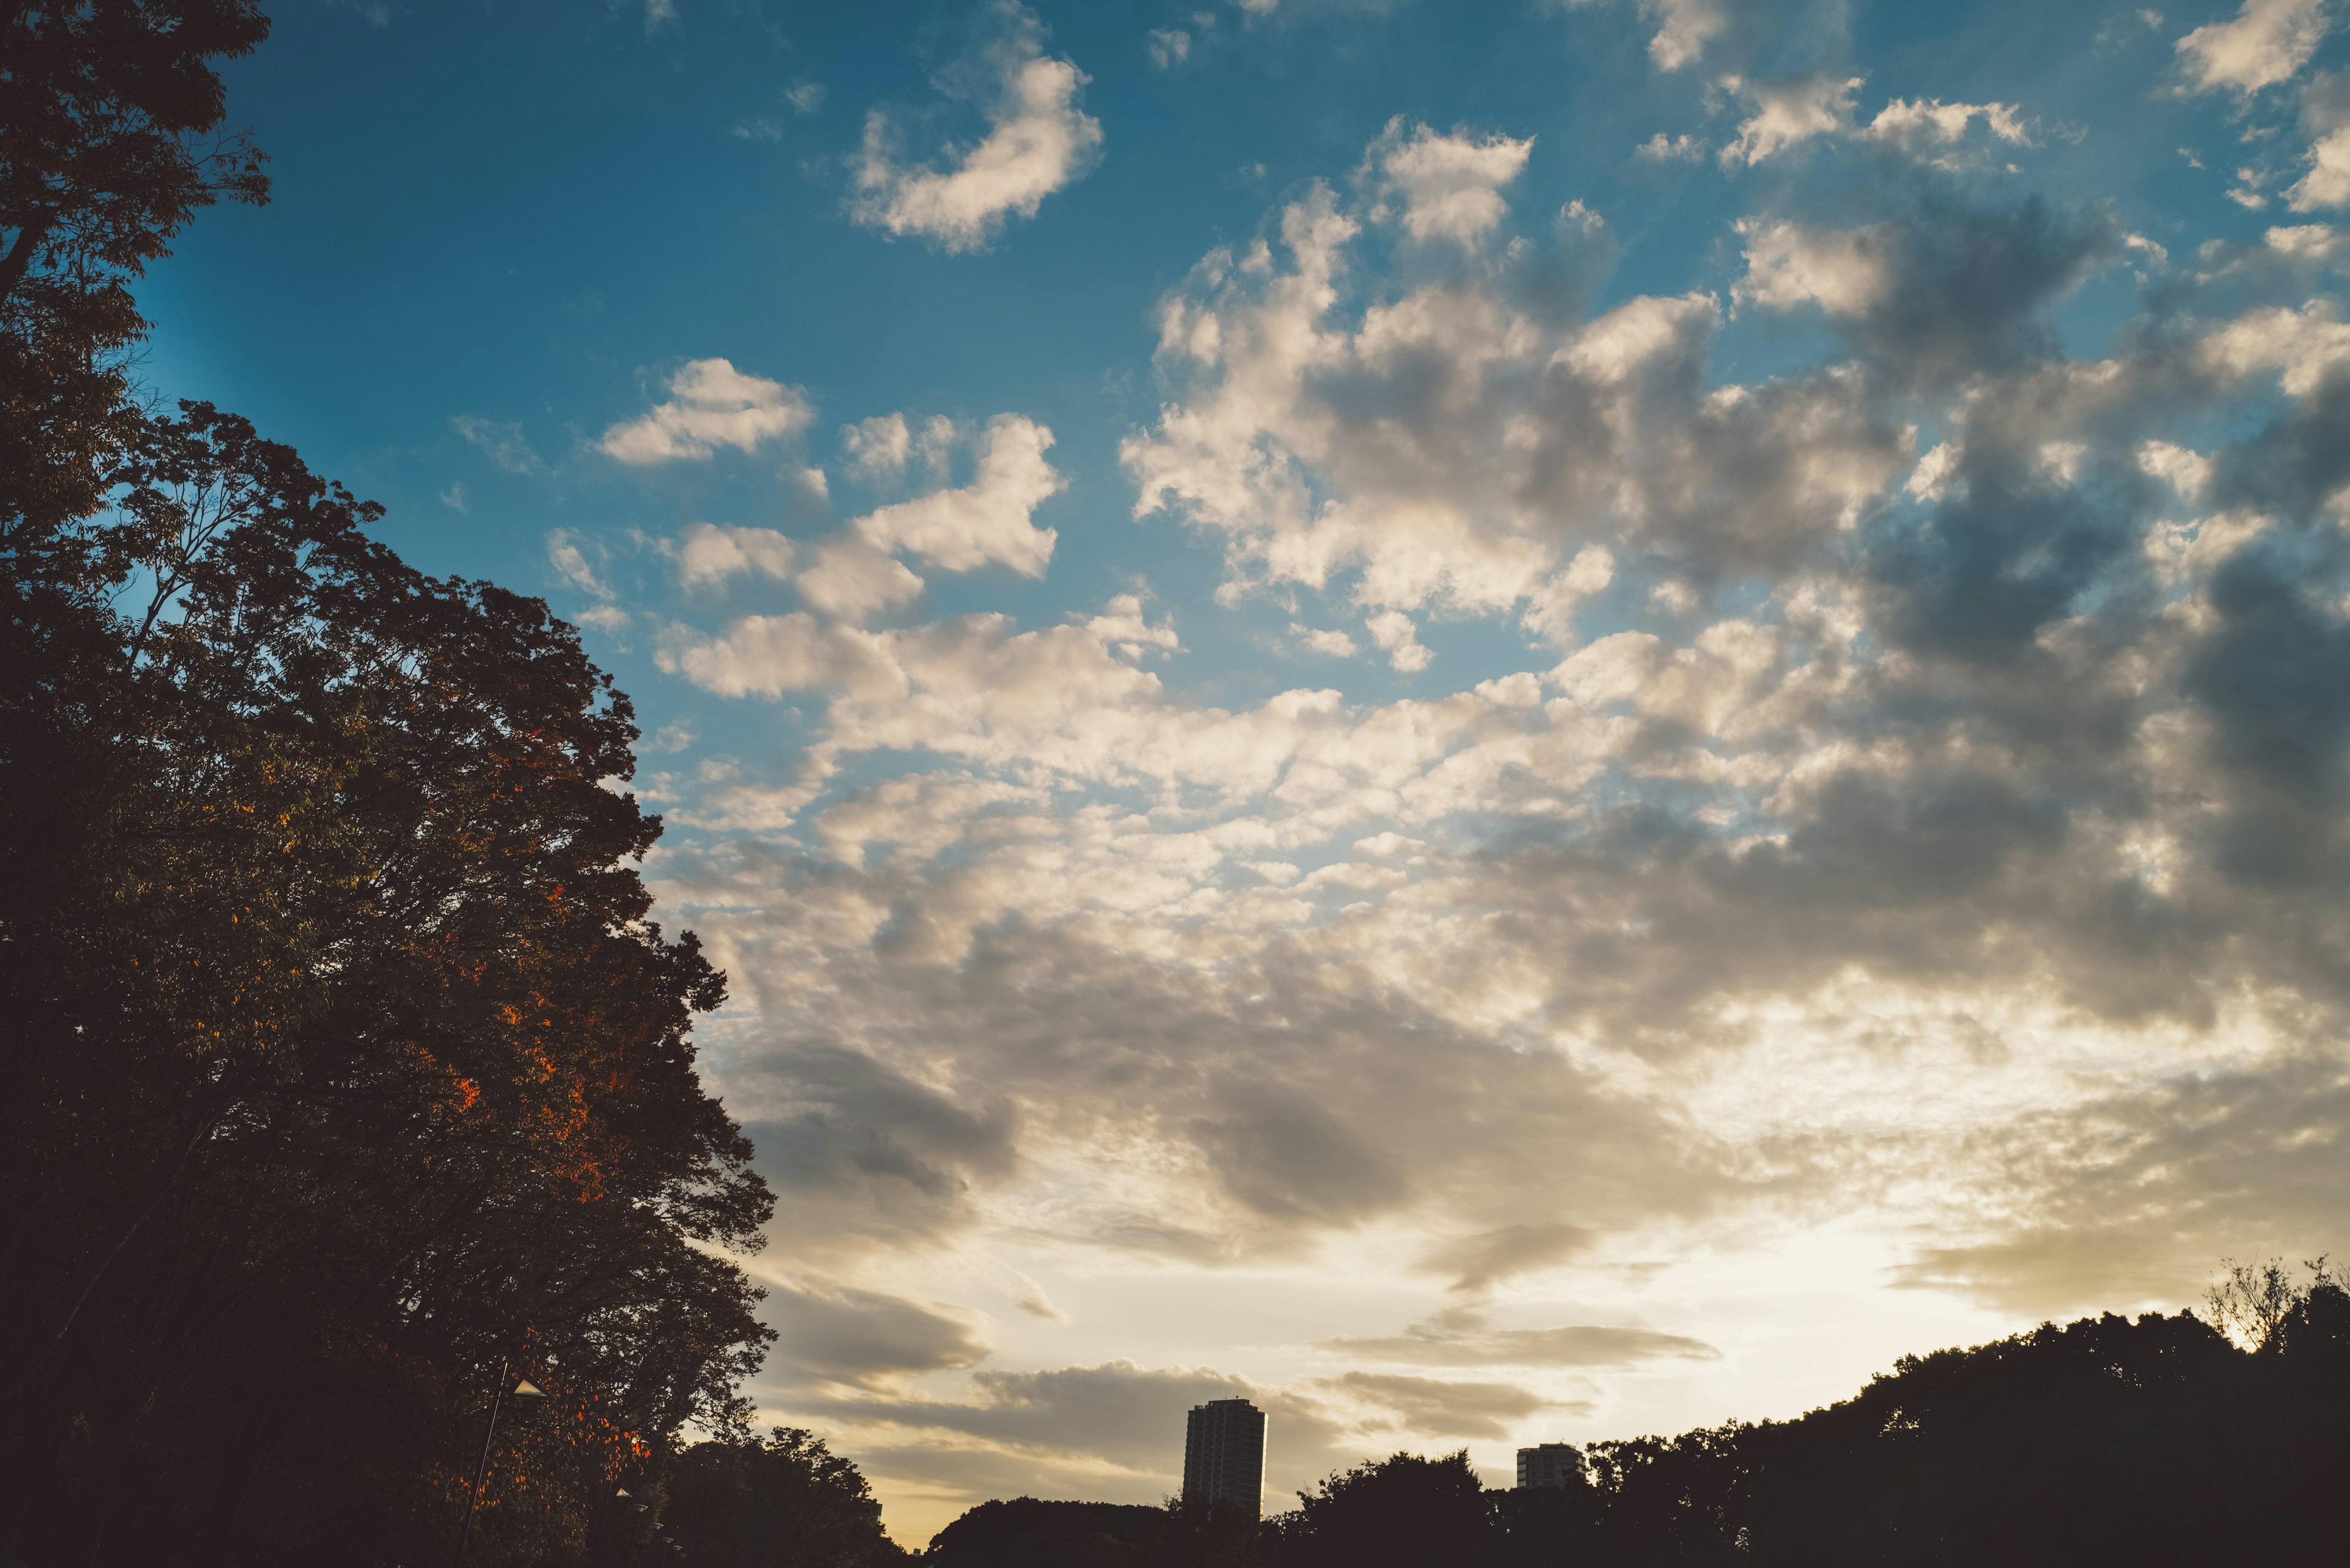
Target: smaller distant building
1550, 1465
1223, 1454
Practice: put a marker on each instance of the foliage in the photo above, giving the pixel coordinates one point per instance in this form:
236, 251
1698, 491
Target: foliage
345, 1064
785, 1503
1404, 1512
1024, 1533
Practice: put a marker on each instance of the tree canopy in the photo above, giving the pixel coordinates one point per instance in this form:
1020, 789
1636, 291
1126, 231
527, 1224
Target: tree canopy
347, 1064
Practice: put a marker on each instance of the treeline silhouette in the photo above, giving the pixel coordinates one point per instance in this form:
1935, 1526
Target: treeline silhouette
343, 1066
2152, 1443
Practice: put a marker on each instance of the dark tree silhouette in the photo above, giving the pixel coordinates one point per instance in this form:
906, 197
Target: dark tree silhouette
344, 1065
1403, 1511
783, 1502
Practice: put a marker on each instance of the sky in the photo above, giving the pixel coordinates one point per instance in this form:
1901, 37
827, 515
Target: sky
1496, 722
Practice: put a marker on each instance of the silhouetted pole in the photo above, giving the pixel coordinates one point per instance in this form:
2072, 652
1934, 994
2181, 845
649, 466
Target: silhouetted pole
524, 1391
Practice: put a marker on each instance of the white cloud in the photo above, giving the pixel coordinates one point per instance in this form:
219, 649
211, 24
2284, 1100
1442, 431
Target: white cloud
2307, 345
2326, 116
805, 97
2265, 43
1169, 46
707, 554
876, 447
987, 519
1395, 632
1327, 641
1788, 113
1683, 28
849, 580
1447, 186
1845, 274
711, 404
1907, 122
570, 558
1662, 149
1037, 142
1907, 859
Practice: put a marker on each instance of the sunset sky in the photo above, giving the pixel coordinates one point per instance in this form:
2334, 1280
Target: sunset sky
1498, 723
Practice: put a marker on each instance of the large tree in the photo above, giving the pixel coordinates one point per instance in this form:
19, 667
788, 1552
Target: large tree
346, 1068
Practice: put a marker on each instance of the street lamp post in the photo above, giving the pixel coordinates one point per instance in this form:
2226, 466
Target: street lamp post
524, 1389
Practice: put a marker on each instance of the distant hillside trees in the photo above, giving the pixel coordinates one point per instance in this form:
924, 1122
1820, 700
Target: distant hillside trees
344, 1065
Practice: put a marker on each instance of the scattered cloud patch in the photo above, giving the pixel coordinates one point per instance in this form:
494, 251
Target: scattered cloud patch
1787, 114
1038, 142
1441, 186
984, 522
504, 444
2265, 43
711, 404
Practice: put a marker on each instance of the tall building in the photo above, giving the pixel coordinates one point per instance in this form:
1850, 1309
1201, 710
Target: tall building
1550, 1465
1223, 1454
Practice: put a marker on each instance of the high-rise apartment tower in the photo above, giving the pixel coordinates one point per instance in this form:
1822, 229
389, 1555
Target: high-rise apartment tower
1550, 1464
1223, 1454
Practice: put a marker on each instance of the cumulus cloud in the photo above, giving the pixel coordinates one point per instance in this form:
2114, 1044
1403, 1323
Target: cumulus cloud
1683, 28
987, 521
1788, 113
707, 554
2265, 43
1038, 142
1881, 823
711, 404
1910, 123
2326, 115
1845, 274
1444, 186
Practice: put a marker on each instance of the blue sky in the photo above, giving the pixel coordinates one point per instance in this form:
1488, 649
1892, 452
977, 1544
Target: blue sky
1501, 722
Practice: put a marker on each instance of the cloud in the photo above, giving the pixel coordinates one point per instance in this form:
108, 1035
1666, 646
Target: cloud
1577, 1345
2325, 114
1876, 823
1846, 274
877, 447
1909, 123
707, 554
1787, 114
863, 1155
2267, 42
504, 444
711, 404
1435, 1407
805, 97
1481, 1261
986, 521
1447, 187
1169, 46
1038, 142
849, 580
1288, 1159
1683, 28
835, 1333
1398, 638
570, 557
